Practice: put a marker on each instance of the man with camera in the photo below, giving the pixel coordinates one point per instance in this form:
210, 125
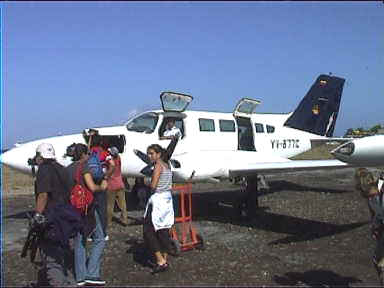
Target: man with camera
53, 212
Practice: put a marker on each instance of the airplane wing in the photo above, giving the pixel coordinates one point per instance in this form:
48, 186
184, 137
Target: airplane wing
223, 164
289, 166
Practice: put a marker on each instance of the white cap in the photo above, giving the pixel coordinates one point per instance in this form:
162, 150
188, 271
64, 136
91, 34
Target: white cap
46, 151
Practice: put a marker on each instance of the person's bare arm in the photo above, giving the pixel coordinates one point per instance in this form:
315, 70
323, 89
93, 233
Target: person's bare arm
155, 176
91, 184
41, 202
111, 168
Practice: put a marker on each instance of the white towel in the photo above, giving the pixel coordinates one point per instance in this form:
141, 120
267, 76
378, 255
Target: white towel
162, 210
380, 184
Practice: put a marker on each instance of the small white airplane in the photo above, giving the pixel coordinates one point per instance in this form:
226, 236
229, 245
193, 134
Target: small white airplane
366, 151
216, 146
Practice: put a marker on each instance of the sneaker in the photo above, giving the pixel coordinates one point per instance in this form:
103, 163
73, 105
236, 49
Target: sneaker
160, 268
95, 281
106, 238
80, 283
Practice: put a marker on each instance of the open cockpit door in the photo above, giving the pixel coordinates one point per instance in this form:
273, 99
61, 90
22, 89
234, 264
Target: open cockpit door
175, 102
245, 107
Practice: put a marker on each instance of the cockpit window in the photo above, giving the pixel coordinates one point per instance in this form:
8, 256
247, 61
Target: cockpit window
144, 123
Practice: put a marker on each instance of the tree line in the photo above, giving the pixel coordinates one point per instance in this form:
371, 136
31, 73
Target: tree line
362, 131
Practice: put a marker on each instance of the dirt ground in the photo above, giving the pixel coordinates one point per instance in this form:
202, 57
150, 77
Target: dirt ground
312, 229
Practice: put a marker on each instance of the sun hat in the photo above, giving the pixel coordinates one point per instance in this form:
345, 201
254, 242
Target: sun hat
46, 151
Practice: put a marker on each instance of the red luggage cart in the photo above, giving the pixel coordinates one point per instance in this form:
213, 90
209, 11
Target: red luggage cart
189, 237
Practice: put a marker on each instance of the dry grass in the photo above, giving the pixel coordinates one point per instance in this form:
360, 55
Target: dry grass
14, 181
318, 153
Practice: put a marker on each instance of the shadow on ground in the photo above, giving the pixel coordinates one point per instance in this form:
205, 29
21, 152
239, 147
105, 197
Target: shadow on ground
279, 185
223, 206
20, 215
315, 278
140, 252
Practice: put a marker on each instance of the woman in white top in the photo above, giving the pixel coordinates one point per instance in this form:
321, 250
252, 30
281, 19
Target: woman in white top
159, 215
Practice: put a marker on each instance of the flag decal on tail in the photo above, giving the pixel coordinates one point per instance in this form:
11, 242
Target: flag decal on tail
315, 109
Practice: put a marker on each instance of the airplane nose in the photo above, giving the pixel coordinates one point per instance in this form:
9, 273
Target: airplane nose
6, 157
17, 158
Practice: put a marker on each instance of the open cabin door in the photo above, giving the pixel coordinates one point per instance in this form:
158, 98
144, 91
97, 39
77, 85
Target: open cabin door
107, 141
242, 114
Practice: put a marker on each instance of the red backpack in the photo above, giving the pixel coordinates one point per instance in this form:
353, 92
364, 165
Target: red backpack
81, 196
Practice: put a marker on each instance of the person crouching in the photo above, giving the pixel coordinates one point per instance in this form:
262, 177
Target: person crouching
370, 189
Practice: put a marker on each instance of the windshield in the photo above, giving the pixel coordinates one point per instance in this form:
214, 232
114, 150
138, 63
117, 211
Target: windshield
144, 123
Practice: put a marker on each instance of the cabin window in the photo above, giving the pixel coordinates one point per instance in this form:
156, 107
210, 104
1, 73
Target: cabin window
270, 129
206, 124
227, 125
143, 123
259, 128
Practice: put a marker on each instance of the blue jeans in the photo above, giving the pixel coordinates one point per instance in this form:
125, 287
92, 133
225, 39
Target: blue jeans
89, 268
101, 207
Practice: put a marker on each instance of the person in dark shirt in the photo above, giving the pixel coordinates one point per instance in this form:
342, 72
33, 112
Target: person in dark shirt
51, 190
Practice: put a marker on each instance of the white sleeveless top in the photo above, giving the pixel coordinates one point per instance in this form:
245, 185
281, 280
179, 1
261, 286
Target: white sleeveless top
161, 201
165, 181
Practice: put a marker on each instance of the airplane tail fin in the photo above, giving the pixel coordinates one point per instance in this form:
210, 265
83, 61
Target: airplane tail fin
317, 112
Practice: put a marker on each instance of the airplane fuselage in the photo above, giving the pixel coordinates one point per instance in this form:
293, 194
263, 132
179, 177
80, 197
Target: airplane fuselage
214, 145
206, 135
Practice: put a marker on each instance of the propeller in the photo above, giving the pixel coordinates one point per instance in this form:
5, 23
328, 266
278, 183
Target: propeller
148, 170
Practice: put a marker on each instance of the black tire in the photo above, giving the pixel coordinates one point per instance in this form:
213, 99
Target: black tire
175, 248
200, 245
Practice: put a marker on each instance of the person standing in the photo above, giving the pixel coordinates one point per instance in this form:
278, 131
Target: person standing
141, 191
159, 213
96, 146
52, 204
116, 190
87, 269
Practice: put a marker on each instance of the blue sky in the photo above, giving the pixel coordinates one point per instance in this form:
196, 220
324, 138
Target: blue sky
68, 66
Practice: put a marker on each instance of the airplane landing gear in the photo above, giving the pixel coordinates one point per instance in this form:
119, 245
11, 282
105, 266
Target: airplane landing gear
250, 203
